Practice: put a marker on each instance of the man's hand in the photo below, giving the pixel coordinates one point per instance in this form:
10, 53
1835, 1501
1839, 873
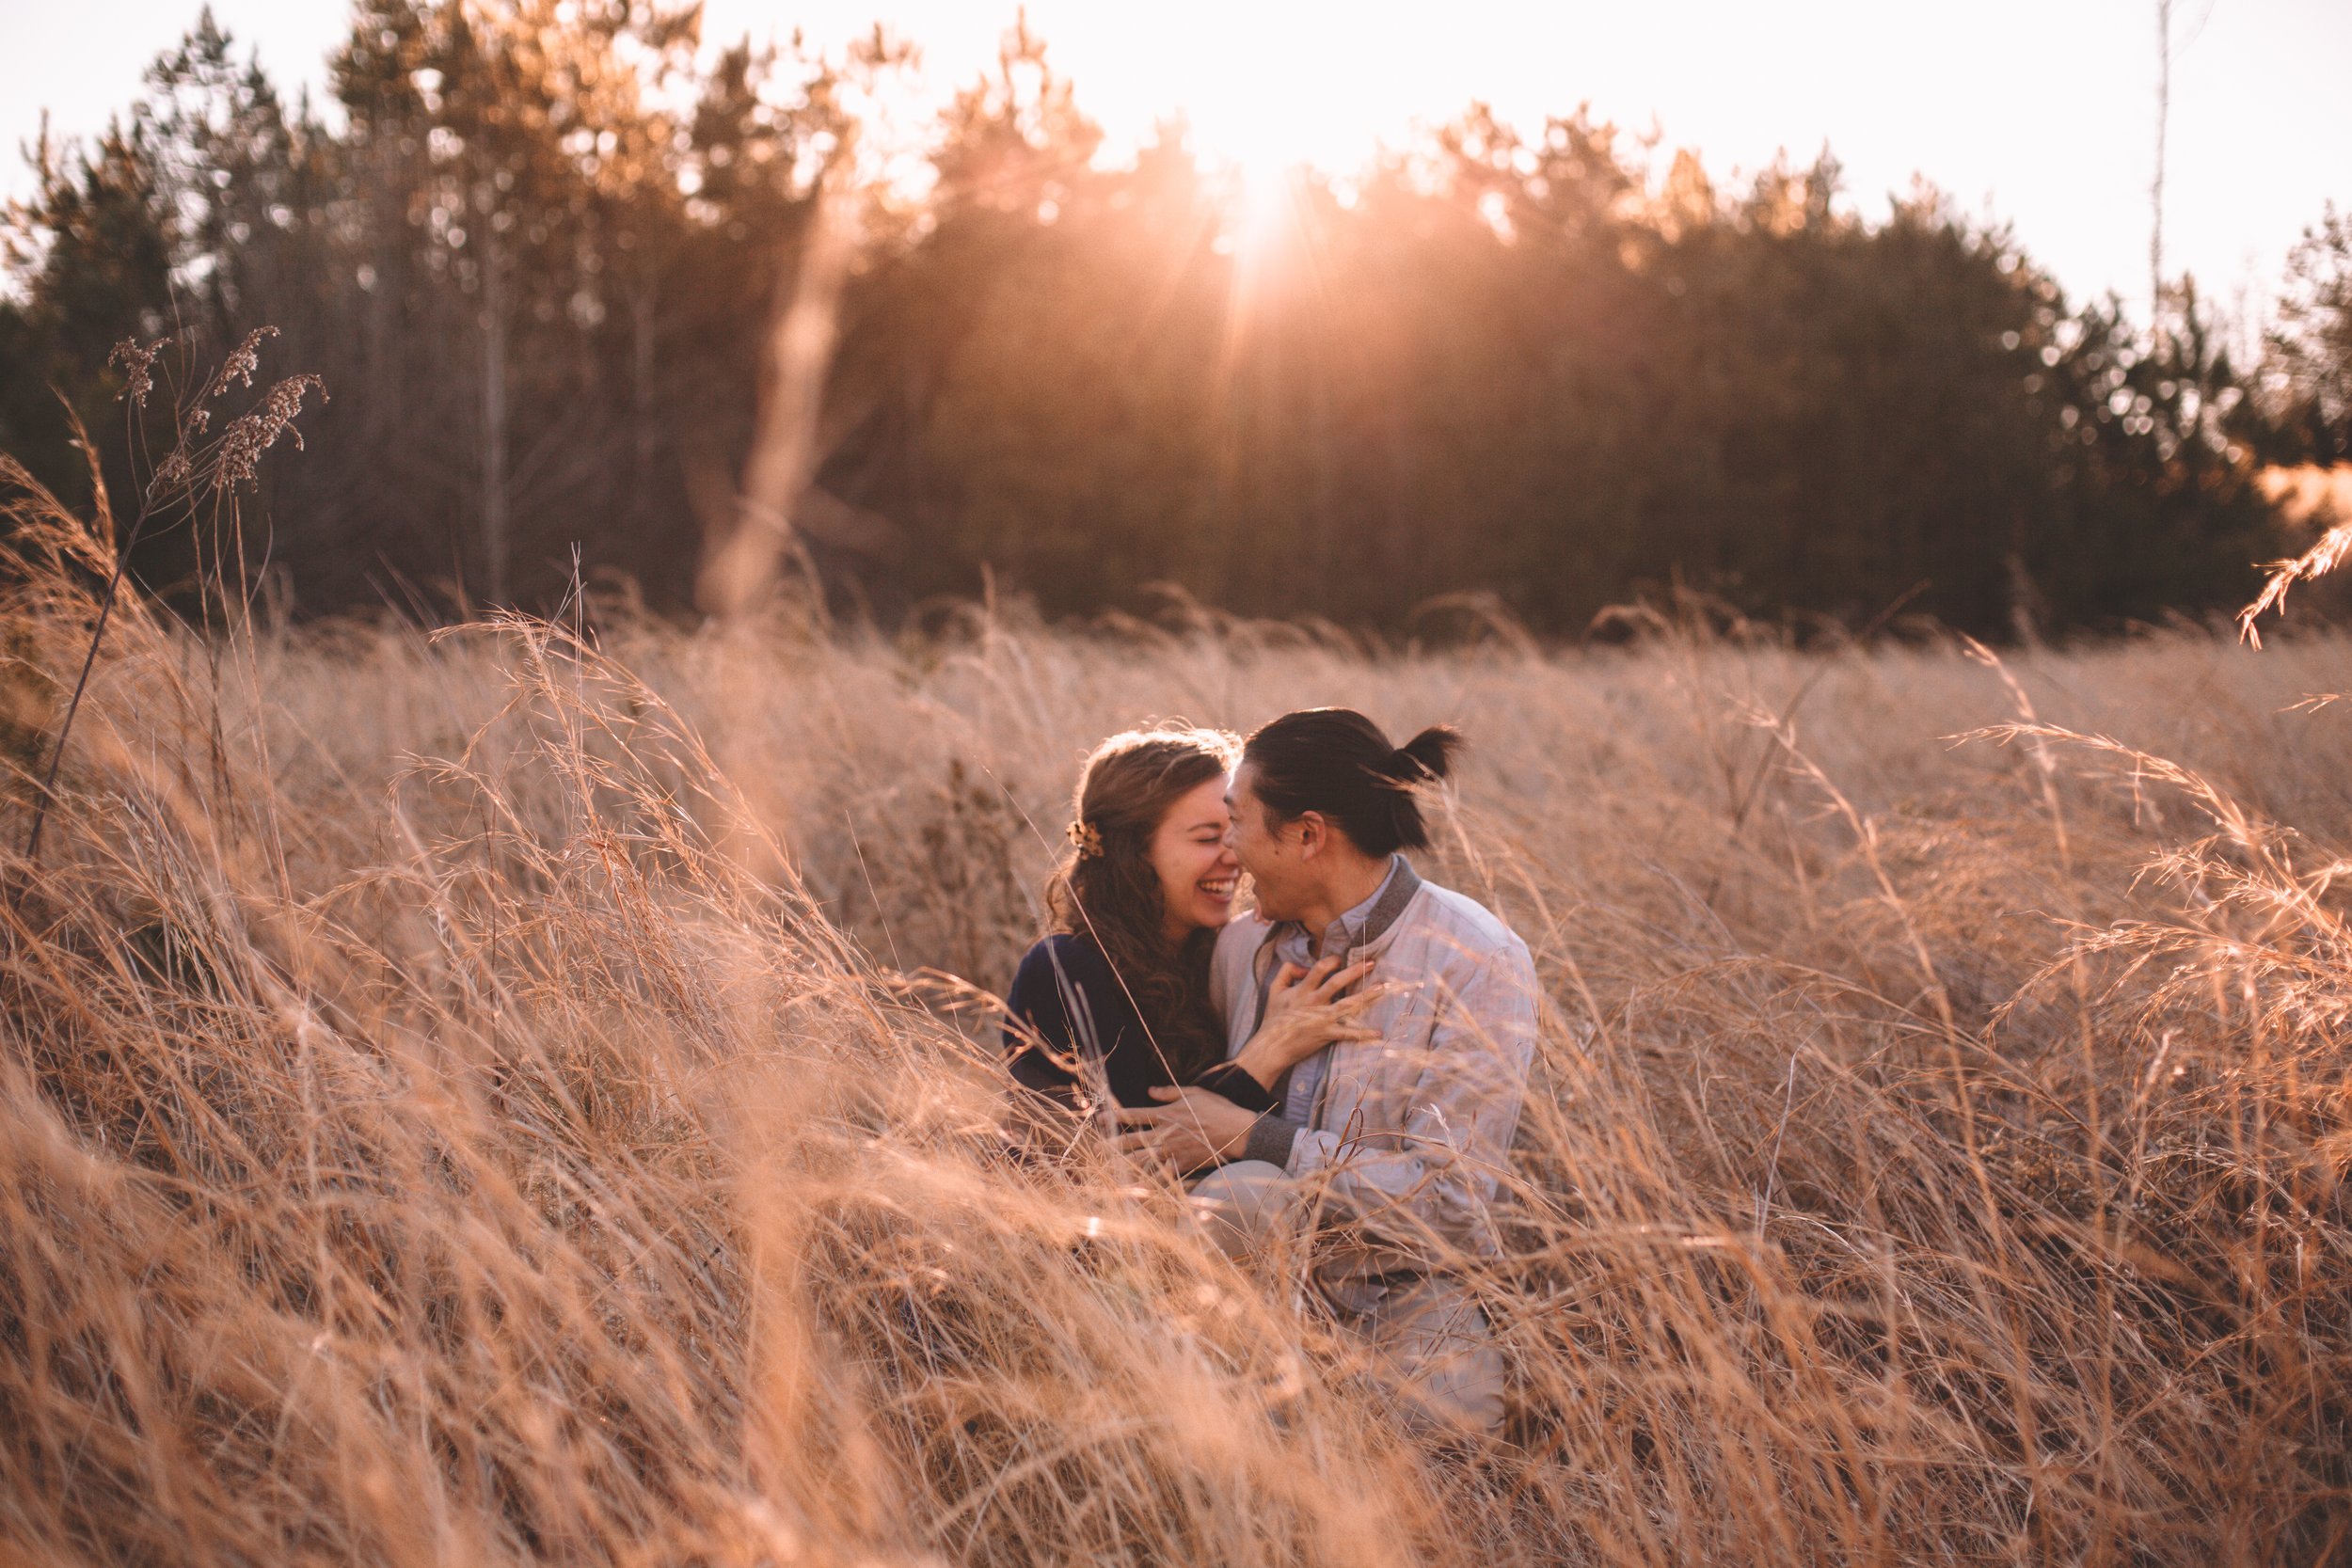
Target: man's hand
1193, 1129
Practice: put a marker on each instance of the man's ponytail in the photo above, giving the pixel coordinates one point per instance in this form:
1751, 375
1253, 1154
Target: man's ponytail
1335, 761
1428, 758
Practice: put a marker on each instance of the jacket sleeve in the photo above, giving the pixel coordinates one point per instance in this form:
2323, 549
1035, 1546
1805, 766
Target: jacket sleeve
1441, 1167
1045, 1022
1229, 973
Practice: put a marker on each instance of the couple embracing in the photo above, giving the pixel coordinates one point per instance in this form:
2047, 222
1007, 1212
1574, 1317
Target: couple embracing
1337, 1072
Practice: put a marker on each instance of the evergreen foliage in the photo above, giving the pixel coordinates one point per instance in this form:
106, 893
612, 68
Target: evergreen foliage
536, 256
2312, 344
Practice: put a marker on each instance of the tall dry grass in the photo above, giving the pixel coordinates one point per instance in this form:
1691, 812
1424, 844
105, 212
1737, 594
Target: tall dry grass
486, 1098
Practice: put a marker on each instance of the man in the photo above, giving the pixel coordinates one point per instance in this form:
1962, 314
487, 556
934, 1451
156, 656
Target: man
1384, 1151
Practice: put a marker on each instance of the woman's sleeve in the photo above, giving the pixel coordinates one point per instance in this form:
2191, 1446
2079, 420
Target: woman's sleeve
1234, 1081
1040, 1037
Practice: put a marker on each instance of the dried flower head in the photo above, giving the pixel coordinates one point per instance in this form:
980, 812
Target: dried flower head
243, 443
137, 368
242, 362
237, 369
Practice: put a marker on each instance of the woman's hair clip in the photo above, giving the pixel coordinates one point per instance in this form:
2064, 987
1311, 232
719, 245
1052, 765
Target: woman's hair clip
1086, 838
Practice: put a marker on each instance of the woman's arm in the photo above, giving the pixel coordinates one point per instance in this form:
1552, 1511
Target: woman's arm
1049, 1030
1237, 1084
1305, 1012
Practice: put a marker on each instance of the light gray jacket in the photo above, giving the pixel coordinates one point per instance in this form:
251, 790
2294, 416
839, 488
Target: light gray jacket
1421, 1119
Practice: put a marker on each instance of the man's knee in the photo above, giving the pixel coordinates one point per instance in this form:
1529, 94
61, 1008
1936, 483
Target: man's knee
1246, 1206
1443, 1352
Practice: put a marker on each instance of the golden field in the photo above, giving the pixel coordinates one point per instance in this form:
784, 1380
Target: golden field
483, 1098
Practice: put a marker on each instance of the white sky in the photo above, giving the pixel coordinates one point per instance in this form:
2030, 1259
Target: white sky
2038, 111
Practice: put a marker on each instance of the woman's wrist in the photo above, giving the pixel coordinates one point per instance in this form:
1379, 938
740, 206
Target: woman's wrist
1260, 1061
1232, 1081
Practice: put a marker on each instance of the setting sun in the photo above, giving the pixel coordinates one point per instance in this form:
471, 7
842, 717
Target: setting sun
1259, 125
1276, 82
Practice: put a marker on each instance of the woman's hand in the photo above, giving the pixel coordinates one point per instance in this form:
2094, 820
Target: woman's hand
1305, 1012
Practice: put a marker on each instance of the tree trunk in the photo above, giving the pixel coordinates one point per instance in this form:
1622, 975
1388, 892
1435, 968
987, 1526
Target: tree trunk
641, 399
495, 436
741, 558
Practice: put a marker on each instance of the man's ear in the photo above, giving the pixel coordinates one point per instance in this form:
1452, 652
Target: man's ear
1314, 834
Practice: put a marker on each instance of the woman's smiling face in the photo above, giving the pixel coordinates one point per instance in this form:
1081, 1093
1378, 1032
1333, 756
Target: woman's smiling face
1198, 873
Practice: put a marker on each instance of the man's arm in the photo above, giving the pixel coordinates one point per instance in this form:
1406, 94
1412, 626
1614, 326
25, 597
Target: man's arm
1229, 975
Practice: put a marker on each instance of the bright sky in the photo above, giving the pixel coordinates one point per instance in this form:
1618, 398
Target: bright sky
2039, 111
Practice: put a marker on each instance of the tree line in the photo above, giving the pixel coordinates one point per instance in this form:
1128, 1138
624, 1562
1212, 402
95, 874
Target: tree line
539, 252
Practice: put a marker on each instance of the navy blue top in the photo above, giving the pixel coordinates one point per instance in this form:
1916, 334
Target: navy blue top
1066, 999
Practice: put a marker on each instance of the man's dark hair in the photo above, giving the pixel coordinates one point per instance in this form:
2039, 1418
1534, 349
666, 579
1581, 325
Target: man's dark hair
1335, 761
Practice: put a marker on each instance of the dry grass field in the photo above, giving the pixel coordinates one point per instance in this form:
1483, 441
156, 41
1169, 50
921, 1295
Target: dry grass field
482, 1097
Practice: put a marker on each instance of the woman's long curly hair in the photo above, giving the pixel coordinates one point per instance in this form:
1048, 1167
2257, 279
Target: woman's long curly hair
1107, 891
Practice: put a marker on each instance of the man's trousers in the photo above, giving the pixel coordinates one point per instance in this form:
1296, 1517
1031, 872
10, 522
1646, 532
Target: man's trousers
1425, 1328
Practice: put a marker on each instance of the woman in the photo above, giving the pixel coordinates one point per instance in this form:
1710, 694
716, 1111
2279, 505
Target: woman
1114, 1002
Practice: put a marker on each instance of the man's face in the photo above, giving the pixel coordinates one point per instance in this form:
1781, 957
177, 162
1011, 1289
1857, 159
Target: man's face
1270, 852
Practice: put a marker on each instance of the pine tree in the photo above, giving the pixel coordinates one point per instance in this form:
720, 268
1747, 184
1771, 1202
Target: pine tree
2309, 348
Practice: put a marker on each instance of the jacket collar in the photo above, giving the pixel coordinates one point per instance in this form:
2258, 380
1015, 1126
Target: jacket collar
1385, 905
1390, 902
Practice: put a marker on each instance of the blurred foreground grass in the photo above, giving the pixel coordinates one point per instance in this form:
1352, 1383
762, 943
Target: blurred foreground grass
485, 1098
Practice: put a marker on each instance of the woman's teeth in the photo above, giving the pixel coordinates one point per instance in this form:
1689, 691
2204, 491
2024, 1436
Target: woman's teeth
1220, 887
